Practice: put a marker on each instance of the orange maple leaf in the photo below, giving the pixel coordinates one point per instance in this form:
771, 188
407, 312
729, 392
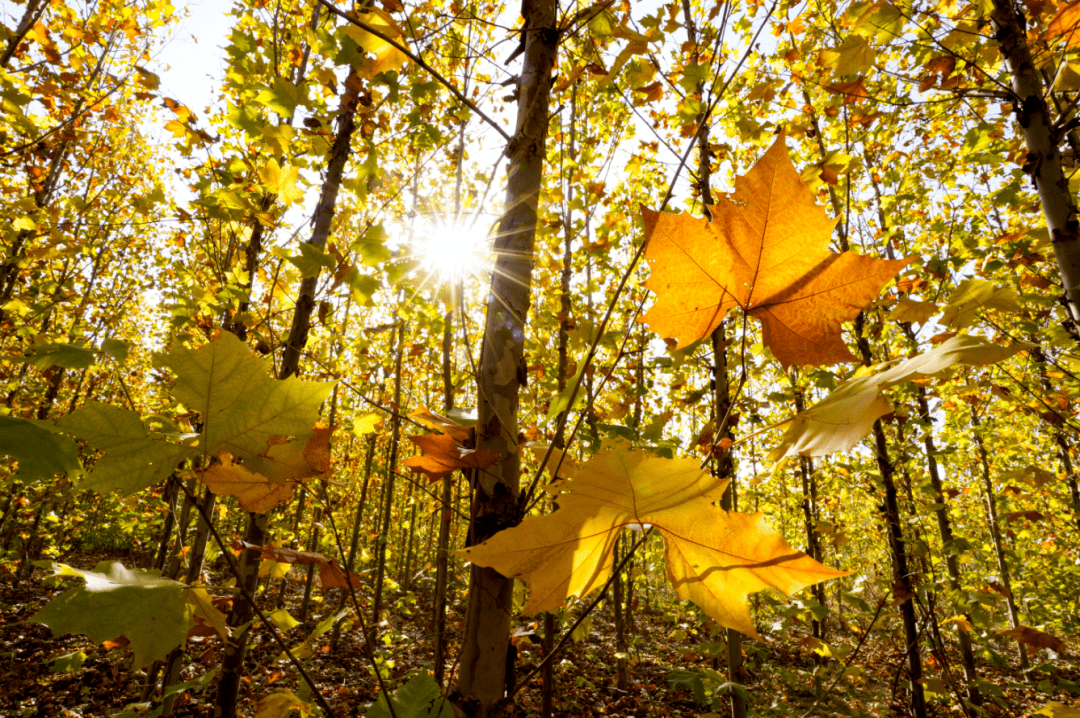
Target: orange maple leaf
443, 455
765, 251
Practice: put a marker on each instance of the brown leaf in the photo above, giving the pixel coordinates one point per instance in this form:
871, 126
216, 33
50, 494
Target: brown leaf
331, 573
853, 91
1036, 639
442, 456
1023, 516
317, 449
255, 492
765, 251
652, 92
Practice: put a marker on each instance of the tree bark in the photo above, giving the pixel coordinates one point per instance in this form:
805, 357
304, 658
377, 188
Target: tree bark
487, 631
1044, 158
903, 586
995, 533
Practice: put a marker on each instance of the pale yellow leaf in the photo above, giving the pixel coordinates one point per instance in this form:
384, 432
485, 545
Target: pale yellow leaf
841, 420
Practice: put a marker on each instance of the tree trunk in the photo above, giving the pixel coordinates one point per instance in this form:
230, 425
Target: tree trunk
1044, 158
388, 486
952, 558
487, 630
903, 587
442, 557
995, 534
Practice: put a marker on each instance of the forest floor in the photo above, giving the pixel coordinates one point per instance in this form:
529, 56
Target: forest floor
780, 675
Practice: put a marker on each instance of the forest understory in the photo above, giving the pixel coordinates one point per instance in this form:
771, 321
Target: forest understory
779, 675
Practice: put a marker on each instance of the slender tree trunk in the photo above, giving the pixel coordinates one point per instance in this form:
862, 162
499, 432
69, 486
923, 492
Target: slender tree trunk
622, 680
232, 664
995, 533
313, 545
724, 464
442, 557
1044, 158
31, 14
551, 620
903, 586
388, 484
952, 558
487, 630
172, 488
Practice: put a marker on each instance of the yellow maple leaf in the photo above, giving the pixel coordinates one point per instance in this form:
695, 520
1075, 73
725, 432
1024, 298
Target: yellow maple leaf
281, 181
843, 418
765, 251
387, 57
715, 558
254, 491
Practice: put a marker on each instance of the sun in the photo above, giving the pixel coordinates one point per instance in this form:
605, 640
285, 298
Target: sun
449, 252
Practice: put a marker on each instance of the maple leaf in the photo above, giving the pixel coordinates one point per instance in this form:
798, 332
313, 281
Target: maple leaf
254, 491
1053, 709
448, 450
153, 612
910, 310
387, 57
132, 460
1036, 639
973, 295
766, 251
715, 558
40, 453
443, 455
842, 419
242, 406
331, 573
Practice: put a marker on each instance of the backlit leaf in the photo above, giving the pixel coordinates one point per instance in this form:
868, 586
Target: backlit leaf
153, 612
132, 460
842, 419
714, 558
765, 251
41, 454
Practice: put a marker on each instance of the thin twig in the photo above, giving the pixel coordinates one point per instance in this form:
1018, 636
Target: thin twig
419, 61
251, 600
851, 658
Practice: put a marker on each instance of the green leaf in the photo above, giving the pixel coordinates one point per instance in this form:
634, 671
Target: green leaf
241, 404
421, 697
283, 97
65, 356
151, 611
312, 260
40, 453
372, 247
116, 348
132, 460
68, 663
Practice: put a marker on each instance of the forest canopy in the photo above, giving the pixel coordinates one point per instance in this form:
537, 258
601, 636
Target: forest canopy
448, 358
